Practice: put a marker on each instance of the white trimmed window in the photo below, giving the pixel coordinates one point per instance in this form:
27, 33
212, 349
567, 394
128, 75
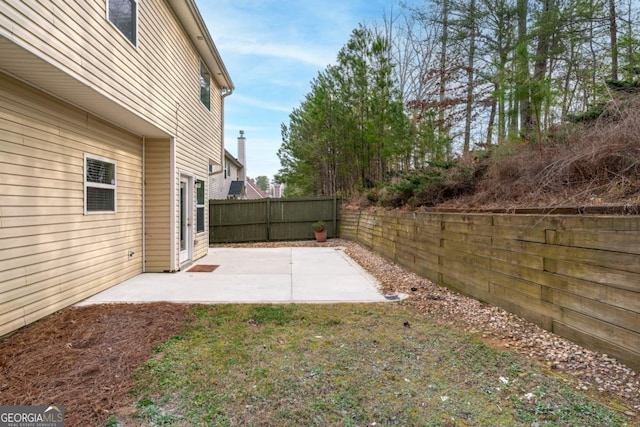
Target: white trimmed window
99, 185
205, 86
124, 15
200, 226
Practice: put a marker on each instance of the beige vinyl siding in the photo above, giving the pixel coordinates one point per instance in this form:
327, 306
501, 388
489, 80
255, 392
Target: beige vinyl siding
158, 80
157, 206
52, 255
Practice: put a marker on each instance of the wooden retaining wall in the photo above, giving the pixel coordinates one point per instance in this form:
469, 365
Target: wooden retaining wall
575, 275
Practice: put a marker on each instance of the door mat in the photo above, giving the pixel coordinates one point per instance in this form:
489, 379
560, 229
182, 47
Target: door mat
202, 268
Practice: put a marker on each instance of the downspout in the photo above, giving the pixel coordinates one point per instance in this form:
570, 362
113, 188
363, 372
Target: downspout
144, 203
224, 92
172, 205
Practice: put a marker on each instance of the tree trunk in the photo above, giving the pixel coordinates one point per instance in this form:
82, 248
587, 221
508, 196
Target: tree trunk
443, 67
492, 120
613, 30
470, 76
522, 70
538, 92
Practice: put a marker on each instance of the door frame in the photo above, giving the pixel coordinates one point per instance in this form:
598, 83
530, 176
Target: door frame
185, 219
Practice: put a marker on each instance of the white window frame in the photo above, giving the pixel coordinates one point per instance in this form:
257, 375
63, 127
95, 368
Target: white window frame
133, 43
88, 184
201, 205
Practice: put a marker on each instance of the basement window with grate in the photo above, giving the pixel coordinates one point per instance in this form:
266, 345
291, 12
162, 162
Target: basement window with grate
99, 185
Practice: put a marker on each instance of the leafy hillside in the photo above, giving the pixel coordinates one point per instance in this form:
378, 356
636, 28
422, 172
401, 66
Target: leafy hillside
479, 103
586, 163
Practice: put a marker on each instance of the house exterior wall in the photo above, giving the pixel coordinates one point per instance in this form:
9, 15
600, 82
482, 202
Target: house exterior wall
157, 80
51, 254
158, 205
221, 182
216, 186
253, 191
73, 83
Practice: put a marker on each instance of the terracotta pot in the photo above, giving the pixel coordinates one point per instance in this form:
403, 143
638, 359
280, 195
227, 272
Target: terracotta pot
321, 236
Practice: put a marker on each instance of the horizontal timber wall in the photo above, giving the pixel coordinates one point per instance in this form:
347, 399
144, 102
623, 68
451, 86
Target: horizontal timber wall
575, 275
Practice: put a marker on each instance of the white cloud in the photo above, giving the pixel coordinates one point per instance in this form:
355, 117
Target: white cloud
312, 55
255, 102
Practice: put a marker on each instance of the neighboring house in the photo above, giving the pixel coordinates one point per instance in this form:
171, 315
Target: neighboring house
230, 181
275, 191
110, 120
253, 191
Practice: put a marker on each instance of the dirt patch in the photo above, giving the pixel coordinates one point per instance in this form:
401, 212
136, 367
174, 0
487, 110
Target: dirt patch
82, 357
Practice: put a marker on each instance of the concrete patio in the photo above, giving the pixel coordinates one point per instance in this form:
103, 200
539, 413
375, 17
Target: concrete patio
255, 275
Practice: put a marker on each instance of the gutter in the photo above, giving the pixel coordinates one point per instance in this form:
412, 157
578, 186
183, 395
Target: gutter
221, 75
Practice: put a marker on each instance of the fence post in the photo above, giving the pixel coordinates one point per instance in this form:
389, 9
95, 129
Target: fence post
268, 219
335, 215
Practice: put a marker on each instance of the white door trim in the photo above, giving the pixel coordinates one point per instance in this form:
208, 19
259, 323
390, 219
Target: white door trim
185, 219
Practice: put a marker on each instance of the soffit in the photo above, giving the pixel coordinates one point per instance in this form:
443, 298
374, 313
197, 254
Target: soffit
229, 157
192, 22
31, 69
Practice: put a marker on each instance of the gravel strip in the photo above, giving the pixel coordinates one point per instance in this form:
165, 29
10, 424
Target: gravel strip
592, 371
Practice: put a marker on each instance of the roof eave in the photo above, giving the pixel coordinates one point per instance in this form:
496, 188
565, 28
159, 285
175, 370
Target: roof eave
190, 18
235, 161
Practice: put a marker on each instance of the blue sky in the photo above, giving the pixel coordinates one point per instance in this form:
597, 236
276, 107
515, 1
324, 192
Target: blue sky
272, 50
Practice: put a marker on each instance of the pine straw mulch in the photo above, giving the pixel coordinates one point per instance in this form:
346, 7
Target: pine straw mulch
82, 357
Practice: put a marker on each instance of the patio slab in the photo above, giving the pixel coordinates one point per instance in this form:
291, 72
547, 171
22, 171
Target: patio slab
255, 275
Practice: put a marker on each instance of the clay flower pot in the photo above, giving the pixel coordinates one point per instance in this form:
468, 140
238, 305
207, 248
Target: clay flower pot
320, 230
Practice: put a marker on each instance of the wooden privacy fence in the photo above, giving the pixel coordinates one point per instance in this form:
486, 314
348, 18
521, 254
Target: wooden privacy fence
236, 221
575, 275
